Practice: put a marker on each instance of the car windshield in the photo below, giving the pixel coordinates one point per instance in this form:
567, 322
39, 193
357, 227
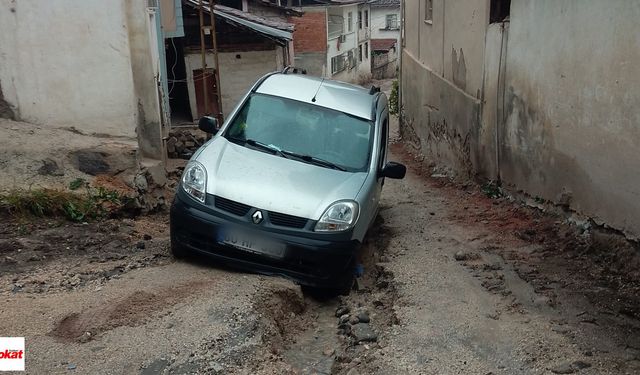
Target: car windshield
304, 132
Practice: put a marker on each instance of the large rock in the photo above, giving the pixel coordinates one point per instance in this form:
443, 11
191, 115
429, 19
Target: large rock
91, 162
362, 332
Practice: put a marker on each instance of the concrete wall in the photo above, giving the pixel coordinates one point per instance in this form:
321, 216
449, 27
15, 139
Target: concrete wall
385, 64
441, 117
237, 75
68, 63
440, 88
465, 24
548, 102
572, 126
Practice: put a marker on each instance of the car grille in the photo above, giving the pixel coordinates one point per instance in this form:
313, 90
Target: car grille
230, 206
276, 218
284, 220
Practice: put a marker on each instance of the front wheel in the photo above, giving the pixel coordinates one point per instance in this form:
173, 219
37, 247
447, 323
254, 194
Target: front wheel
345, 283
178, 251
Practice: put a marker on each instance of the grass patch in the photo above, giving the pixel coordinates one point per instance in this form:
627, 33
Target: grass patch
95, 203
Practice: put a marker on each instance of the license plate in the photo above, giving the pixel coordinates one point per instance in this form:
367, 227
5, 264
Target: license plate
250, 242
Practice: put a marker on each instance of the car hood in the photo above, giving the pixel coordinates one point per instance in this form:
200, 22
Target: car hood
274, 183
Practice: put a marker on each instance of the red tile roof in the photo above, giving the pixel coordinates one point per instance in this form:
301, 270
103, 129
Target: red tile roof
382, 44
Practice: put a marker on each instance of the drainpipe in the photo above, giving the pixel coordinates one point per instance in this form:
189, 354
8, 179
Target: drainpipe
203, 54
214, 43
400, 50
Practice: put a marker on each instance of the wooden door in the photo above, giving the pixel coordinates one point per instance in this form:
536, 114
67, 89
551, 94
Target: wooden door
208, 80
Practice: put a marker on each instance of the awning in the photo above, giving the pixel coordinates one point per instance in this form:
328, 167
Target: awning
248, 20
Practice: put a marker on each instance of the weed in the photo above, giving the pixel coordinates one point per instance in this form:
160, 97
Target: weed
393, 99
77, 184
94, 204
492, 190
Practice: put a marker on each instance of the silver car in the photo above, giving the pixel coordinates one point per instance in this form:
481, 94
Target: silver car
291, 182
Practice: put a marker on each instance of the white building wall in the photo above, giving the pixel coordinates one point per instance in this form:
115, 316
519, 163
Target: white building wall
378, 23
364, 44
68, 63
335, 48
237, 75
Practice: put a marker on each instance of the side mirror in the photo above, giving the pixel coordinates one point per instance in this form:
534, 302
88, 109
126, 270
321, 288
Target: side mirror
208, 124
393, 170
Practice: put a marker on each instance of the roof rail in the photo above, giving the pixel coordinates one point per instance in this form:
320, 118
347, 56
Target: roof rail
294, 70
374, 90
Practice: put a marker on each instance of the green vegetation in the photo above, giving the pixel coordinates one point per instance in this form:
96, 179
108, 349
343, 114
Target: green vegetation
95, 203
492, 190
394, 108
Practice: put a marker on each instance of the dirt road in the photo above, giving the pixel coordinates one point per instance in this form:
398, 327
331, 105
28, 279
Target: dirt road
454, 283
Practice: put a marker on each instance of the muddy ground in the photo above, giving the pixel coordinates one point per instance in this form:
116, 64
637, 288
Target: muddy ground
454, 282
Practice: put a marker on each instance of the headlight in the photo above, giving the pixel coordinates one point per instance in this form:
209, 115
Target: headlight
194, 180
340, 216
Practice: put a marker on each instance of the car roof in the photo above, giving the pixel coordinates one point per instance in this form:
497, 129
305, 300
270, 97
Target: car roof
340, 96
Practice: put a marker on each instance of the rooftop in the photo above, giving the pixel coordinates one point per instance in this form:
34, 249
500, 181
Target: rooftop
382, 44
384, 3
343, 97
277, 29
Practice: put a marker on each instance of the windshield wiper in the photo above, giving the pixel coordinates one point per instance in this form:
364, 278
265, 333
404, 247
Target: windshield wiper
260, 145
314, 160
266, 147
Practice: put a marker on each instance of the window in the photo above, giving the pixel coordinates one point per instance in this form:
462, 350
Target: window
338, 63
366, 50
336, 26
428, 11
350, 21
351, 58
391, 22
499, 10
359, 20
360, 53
366, 18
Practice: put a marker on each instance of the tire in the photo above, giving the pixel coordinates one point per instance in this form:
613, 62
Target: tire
345, 288
178, 251
345, 283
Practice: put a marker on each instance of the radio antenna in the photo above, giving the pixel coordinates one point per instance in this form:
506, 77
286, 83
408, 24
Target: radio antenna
316, 94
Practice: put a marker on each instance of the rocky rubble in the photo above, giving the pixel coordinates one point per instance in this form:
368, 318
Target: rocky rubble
182, 143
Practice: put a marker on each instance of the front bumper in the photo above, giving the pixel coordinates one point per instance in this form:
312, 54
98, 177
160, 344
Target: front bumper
312, 259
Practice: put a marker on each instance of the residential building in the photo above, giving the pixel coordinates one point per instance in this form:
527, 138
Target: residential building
329, 36
541, 96
385, 19
385, 37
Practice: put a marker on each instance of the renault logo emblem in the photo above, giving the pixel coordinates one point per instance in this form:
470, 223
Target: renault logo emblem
257, 217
